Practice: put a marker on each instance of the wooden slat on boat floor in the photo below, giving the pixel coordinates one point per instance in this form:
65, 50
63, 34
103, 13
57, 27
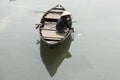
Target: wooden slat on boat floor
52, 34
50, 25
53, 16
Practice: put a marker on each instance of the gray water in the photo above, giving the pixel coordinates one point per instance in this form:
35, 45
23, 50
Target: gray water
93, 54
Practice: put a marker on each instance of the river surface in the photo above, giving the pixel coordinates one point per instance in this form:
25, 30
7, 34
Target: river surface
91, 53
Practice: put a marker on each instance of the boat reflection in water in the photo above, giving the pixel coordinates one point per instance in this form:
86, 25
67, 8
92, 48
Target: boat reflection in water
53, 56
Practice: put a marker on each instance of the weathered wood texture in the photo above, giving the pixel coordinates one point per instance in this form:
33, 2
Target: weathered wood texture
52, 34
50, 25
53, 16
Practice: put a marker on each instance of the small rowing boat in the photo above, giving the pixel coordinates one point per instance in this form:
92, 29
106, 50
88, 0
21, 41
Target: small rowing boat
49, 32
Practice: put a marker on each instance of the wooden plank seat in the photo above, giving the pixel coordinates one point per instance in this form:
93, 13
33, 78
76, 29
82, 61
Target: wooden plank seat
49, 26
53, 38
52, 34
53, 15
56, 11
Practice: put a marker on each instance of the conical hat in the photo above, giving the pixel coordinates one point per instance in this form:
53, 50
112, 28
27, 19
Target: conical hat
65, 13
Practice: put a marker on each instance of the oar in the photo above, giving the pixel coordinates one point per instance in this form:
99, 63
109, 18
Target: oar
72, 29
74, 21
38, 25
39, 12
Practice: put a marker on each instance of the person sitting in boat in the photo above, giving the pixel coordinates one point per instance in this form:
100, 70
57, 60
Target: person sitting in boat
63, 22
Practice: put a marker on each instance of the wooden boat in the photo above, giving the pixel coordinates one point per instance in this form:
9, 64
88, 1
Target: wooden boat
47, 26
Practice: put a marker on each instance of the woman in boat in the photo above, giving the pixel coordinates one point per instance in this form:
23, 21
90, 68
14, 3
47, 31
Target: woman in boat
63, 22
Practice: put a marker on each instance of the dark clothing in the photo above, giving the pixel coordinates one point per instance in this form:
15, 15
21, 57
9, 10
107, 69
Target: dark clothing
62, 24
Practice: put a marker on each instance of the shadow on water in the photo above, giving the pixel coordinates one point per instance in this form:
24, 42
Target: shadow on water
53, 56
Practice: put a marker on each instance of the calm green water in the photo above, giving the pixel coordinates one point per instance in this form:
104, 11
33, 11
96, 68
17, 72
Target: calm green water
93, 54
